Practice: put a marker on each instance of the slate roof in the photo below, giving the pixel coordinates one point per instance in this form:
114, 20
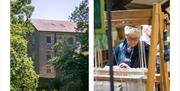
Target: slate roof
53, 25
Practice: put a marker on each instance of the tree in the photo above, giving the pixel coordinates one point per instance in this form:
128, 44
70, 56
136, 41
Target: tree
21, 11
23, 76
80, 17
74, 68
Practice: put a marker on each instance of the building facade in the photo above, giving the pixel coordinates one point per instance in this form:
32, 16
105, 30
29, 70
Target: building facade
47, 33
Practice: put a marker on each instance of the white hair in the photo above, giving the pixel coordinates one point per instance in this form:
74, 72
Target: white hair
132, 30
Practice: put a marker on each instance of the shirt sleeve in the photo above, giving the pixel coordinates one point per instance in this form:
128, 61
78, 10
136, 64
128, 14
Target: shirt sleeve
114, 56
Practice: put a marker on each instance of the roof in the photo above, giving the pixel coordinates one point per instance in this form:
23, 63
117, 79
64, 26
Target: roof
53, 25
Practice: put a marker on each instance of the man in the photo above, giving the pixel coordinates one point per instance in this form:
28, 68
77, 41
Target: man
126, 54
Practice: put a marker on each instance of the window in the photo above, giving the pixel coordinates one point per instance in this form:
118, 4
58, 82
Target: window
71, 40
48, 39
48, 57
60, 37
62, 25
48, 69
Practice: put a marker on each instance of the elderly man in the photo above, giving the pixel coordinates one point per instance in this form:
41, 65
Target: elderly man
126, 54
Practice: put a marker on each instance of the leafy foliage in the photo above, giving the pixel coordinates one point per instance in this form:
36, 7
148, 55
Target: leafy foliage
74, 68
23, 76
21, 10
80, 17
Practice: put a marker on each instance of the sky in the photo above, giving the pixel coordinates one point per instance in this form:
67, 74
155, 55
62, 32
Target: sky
54, 9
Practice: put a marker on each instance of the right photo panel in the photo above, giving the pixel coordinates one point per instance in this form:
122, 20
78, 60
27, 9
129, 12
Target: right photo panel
131, 45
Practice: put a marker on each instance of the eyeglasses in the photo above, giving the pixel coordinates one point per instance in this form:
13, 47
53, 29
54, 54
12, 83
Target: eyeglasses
133, 39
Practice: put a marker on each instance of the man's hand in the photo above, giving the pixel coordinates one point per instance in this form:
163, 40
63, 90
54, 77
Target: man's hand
124, 66
114, 67
106, 67
121, 66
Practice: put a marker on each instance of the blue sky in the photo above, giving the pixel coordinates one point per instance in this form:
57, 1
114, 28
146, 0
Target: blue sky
54, 9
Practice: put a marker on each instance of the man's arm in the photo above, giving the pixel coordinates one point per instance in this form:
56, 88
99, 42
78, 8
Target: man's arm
114, 56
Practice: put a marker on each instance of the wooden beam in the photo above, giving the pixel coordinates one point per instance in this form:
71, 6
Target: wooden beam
120, 79
153, 48
131, 17
139, 13
162, 85
163, 64
118, 23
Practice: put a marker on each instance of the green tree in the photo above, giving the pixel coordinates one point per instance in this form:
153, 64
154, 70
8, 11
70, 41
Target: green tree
21, 11
23, 76
74, 68
80, 17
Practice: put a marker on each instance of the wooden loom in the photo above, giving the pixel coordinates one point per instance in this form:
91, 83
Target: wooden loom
133, 79
154, 17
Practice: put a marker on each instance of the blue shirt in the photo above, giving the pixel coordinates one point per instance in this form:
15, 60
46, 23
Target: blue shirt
120, 54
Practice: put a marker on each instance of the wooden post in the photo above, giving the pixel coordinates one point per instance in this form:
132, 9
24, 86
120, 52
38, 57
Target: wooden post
161, 46
153, 48
157, 34
163, 64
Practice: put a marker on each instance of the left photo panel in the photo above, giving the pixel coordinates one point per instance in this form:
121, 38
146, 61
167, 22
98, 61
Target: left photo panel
49, 45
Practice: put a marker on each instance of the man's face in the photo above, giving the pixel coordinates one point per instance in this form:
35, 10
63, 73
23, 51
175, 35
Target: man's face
132, 39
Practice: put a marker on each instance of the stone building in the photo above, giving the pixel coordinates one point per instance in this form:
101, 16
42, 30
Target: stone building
47, 32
